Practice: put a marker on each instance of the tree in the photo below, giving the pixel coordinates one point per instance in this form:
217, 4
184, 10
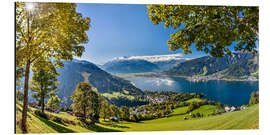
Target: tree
53, 102
125, 112
19, 95
86, 100
19, 75
254, 98
212, 29
64, 103
105, 109
43, 83
115, 110
46, 31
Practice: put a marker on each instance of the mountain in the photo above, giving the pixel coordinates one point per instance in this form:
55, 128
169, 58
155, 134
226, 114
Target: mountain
130, 66
167, 64
244, 68
138, 64
237, 63
77, 71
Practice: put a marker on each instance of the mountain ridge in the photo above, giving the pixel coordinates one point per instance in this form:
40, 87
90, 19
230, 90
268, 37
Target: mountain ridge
77, 71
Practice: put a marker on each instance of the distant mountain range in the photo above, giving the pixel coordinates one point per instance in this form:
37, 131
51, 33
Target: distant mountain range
130, 66
77, 71
237, 65
139, 64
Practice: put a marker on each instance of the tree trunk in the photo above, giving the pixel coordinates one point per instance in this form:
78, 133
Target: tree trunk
42, 102
84, 114
25, 97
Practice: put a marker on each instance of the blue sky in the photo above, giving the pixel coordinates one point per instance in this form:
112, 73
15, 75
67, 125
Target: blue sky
124, 30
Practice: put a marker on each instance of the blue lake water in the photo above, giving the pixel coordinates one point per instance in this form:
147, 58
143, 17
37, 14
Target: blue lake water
227, 92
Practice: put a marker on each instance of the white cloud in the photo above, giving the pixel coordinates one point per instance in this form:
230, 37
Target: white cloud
155, 58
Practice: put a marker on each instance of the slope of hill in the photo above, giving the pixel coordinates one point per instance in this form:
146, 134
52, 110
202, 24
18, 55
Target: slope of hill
130, 66
244, 119
209, 65
78, 71
244, 68
167, 64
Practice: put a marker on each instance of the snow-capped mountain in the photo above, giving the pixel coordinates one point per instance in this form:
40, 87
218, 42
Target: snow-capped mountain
155, 58
136, 64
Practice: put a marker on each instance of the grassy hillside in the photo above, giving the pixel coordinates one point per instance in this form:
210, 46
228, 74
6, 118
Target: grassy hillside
245, 119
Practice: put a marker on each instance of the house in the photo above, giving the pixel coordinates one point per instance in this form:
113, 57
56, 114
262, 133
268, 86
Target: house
233, 109
243, 108
227, 109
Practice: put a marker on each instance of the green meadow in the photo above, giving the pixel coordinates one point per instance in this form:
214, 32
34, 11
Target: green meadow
244, 119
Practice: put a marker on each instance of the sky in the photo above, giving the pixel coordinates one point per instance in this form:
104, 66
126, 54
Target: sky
123, 30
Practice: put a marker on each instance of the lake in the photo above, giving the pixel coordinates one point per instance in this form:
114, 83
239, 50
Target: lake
234, 93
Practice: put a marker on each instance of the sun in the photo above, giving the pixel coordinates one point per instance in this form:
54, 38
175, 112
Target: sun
29, 6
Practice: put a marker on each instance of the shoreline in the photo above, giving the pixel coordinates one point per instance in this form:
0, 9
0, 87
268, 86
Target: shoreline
189, 78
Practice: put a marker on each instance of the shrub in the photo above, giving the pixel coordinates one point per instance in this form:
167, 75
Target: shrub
254, 98
133, 118
57, 119
41, 114
198, 115
68, 121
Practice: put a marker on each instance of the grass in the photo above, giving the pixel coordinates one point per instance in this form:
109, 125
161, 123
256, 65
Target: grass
194, 100
180, 110
117, 95
245, 119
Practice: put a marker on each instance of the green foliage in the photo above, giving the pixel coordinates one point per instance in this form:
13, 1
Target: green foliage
115, 110
212, 29
53, 102
19, 95
133, 117
124, 112
105, 110
192, 106
254, 98
204, 70
19, 75
47, 31
118, 95
43, 83
87, 101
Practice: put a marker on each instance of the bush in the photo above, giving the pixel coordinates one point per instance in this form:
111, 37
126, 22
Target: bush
198, 115
57, 119
254, 98
68, 121
41, 114
133, 118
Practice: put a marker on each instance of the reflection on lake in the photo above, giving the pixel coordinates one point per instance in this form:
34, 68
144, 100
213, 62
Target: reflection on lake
227, 92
